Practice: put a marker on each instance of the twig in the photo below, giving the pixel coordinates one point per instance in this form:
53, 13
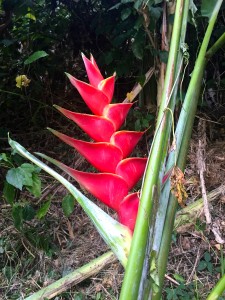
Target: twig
194, 267
201, 167
171, 279
137, 87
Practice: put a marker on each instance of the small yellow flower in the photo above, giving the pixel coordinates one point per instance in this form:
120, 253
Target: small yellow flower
22, 80
130, 96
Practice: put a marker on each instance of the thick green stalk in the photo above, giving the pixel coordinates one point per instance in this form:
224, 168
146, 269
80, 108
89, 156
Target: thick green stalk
183, 135
217, 290
156, 227
74, 277
151, 184
161, 214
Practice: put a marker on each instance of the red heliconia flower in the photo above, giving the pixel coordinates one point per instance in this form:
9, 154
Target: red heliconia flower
108, 153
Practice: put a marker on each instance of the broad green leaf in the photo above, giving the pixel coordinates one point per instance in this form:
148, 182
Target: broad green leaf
26, 171
43, 209
35, 188
29, 168
15, 177
68, 205
207, 7
9, 192
35, 56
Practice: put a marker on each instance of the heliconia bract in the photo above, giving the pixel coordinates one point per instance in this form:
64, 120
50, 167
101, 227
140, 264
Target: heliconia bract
108, 153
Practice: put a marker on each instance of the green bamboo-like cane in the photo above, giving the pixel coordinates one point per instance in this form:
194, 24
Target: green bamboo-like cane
116, 236
151, 184
158, 225
217, 290
183, 135
161, 214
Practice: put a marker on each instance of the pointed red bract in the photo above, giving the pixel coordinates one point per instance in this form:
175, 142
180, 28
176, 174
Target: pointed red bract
126, 140
106, 187
103, 156
117, 113
98, 128
128, 210
107, 87
131, 170
95, 99
93, 72
94, 62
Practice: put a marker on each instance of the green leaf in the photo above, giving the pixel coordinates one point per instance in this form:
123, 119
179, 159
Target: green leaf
207, 256
155, 12
68, 205
9, 192
15, 177
17, 214
125, 13
30, 16
207, 7
163, 55
26, 171
202, 265
178, 277
35, 189
35, 56
4, 157
138, 45
43, 209
28, 213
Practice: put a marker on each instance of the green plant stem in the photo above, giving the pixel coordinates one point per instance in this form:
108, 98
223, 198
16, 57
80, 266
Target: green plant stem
217, 290
216, 46
151, 184
74, 277
183, 135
